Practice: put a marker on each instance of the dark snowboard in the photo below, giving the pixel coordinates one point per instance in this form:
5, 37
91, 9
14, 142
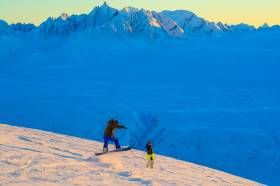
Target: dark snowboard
120, 150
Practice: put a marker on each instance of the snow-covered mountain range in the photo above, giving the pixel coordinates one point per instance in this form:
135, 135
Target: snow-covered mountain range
129, 21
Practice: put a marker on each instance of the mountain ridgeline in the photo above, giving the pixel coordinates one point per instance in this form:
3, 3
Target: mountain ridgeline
131, 22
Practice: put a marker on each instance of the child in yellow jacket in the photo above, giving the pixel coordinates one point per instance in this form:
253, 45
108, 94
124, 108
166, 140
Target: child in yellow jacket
150, 155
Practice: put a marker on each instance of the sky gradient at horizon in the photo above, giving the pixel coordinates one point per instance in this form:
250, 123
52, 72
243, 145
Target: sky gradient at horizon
255, 12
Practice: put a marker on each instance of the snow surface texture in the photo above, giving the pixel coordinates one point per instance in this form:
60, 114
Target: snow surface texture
211, 98
33, 157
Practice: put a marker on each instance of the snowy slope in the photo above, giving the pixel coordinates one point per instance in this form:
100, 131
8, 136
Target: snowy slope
33, 157
189, 22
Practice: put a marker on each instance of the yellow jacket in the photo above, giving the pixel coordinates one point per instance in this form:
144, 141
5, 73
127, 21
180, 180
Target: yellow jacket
150, 156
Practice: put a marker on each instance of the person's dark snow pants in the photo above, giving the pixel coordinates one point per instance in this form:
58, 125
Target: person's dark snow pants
112, 139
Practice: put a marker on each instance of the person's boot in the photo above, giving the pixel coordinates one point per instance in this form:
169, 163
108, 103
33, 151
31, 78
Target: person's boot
105, 149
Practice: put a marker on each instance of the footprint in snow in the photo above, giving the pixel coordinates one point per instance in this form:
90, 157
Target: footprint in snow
140, 180
124, 174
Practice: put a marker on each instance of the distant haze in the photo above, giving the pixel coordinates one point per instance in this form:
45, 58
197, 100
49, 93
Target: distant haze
254, 12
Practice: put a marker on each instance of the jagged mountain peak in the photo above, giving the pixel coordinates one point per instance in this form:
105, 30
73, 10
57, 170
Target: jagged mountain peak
4, 28
264, 26
105, 5
190, 22
3, 25
64, 16
103, 8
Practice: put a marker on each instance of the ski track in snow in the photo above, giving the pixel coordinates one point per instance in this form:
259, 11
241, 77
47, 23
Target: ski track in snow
33, 157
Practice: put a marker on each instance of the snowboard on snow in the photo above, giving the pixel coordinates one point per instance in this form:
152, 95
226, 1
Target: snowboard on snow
119, 150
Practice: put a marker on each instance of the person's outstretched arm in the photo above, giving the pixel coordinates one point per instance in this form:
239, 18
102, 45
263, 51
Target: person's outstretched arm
120, 126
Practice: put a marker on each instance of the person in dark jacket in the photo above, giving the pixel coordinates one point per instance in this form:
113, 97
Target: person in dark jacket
150, 155
109, 134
